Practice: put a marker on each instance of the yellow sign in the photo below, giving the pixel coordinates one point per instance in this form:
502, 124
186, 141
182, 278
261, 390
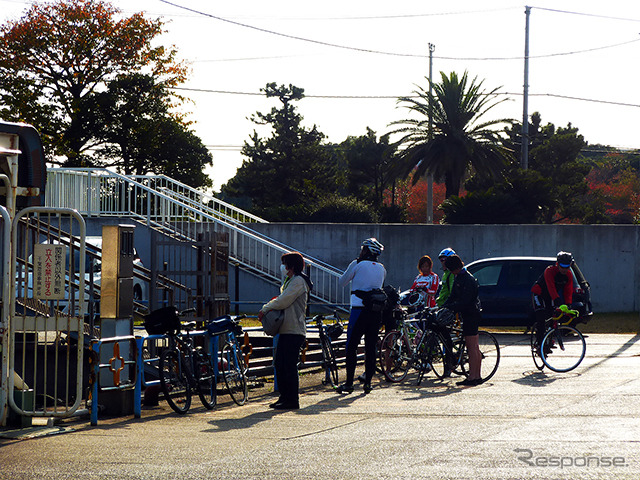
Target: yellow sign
49, 271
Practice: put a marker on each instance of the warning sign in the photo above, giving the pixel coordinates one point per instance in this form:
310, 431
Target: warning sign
48, 271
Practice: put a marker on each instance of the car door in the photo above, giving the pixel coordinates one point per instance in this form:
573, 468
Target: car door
516, 282
488, 276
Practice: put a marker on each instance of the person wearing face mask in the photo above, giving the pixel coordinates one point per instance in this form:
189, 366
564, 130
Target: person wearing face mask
293, 298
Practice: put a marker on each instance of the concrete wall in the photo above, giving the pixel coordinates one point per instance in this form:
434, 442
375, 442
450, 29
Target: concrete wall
607, 254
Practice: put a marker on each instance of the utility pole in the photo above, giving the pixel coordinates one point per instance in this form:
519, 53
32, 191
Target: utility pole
524, 160
432, 47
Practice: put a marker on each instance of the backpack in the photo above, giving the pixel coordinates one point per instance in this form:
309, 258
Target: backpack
374, 300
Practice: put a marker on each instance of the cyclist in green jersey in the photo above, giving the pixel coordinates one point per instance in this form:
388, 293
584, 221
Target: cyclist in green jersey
447, 278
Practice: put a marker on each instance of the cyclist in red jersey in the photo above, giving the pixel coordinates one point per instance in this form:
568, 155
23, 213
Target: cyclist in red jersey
552, 289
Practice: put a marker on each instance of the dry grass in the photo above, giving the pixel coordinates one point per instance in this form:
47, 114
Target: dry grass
624, 322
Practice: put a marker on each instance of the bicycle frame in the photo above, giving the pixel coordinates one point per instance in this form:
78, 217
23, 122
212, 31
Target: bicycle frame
329, 362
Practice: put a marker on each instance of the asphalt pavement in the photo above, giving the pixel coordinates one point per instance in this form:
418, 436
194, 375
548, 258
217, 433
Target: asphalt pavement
522, 424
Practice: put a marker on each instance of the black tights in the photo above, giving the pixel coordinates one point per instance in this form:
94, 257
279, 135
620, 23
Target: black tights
362, 322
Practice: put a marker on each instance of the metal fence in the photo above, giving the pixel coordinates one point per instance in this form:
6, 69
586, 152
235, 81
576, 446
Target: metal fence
183, 212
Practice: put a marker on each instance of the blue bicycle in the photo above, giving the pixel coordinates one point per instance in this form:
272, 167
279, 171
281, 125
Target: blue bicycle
232, 362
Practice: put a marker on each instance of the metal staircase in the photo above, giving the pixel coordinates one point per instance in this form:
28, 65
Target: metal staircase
183, 212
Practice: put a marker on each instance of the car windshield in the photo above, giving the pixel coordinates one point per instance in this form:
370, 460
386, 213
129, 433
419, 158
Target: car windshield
486, 274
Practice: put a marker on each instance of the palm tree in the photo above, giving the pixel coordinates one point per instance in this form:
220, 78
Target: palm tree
459, 143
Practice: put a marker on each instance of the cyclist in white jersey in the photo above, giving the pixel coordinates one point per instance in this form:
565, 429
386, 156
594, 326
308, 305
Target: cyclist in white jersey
365, 274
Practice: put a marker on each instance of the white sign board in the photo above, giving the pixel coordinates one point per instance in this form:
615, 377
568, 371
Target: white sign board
49, 271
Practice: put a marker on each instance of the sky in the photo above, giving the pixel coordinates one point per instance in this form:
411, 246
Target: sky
355, 58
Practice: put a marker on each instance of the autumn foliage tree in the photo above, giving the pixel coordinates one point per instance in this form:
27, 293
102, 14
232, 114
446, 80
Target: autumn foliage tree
57, 57
616, 183
412, 197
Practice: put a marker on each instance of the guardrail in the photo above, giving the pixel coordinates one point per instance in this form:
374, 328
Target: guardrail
182, 214
137, 368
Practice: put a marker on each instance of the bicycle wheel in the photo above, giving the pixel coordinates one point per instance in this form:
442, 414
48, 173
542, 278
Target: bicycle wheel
174, 381
535, 349
379, 368
459, 356
565, 348
233, 372
396, 356
206, 378
435, 351
490, 351
329, 362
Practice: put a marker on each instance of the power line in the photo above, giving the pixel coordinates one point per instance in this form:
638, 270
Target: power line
622, 104
588, 14
395, 97
547, 55
409, 15
519, 58
366, 50
292, 37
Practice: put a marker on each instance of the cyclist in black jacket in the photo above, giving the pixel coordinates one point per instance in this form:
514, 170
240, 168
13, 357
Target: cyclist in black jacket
465, 301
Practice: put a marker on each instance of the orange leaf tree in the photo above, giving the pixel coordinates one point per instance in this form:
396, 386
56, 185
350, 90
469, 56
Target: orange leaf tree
413, 198
56, 57
617, 185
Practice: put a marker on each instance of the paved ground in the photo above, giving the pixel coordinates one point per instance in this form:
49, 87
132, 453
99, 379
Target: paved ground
524, 424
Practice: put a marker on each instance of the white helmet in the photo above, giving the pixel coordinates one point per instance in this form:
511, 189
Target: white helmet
373, 245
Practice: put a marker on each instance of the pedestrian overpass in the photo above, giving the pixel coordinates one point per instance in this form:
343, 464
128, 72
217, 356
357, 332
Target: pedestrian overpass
180, 211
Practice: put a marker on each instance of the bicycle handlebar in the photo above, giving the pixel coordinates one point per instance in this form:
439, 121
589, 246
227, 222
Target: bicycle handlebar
567, 311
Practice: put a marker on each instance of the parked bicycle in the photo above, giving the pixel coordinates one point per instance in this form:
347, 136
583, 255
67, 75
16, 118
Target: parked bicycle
329, 334
412, 347
563, 347
430, 351
232, 359
183, 366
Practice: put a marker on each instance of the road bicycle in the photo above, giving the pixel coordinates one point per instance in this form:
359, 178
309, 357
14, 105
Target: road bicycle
328, 334
183, 366
401, 353
489, 351
413, 347
233, 363
563, 347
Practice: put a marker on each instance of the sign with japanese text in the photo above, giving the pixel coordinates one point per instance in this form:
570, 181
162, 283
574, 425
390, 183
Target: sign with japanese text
49, 271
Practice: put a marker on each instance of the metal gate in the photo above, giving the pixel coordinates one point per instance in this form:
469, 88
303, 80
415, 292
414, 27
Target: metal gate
190, 273
5, 236
46, 312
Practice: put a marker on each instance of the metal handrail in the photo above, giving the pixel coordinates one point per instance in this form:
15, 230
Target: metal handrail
102, 192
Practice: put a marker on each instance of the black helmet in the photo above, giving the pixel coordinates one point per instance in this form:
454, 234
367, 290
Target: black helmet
444, 317
564, 259
373, 245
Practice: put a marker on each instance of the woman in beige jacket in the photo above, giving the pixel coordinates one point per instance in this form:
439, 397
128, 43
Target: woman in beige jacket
293, 298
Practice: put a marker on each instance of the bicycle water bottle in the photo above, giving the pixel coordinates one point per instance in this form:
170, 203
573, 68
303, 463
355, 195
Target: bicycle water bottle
416, 339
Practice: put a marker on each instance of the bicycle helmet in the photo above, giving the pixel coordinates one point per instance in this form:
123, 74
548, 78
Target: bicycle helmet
564, 259
373, 245
447, 252
444, 317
